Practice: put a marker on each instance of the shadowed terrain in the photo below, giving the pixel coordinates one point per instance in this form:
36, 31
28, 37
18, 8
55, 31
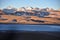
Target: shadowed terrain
29, 35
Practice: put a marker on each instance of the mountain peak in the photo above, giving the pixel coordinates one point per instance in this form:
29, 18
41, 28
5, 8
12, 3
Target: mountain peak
10, 7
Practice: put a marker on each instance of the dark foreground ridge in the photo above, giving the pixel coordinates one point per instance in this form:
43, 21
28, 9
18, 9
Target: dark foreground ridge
28, 35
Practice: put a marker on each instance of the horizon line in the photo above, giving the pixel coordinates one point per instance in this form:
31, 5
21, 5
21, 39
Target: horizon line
30, 6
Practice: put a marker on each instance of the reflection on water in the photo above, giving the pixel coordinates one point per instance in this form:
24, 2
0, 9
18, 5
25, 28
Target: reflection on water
29, 27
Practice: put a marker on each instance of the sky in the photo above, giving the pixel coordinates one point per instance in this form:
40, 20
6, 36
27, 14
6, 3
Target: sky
30, 3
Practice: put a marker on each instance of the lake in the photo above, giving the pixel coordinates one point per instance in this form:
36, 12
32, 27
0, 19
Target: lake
29, 32
29, 27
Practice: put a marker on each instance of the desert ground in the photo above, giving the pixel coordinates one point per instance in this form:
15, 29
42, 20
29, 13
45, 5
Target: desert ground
29, 20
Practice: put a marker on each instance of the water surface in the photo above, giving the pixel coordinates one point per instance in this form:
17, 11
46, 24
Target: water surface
29, 27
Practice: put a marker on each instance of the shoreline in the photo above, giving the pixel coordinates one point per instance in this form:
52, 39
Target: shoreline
29, 24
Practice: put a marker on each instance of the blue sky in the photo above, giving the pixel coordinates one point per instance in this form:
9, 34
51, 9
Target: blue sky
32, 3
